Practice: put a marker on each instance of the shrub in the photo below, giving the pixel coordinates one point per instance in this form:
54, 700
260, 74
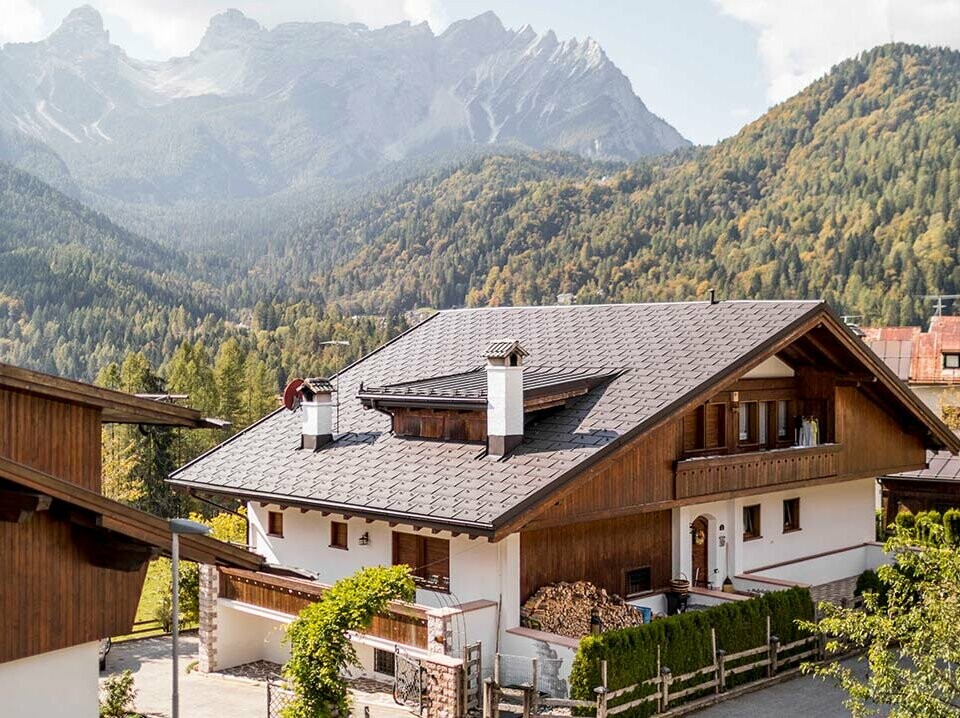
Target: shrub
189, 594
117, 696
869, 582
905, 520
951, 527
684, 643
929, 527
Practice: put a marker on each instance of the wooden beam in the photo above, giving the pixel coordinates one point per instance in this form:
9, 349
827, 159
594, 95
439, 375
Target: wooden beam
19, 506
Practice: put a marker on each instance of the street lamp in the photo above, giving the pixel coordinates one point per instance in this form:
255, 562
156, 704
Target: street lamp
190, 528
336, 343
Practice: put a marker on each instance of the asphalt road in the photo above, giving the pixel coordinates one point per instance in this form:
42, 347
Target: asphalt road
800, 697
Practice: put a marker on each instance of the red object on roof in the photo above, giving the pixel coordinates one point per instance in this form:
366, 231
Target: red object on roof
291, 395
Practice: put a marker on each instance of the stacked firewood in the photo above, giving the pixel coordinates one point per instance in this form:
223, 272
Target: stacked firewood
566, 609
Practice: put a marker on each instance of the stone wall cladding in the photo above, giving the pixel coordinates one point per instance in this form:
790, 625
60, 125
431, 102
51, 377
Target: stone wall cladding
442, 690
209, 594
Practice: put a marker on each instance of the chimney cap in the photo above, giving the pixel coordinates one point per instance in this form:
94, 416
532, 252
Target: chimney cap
503, 348
316, 385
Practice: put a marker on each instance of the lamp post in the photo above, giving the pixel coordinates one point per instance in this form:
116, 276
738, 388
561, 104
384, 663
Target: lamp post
177, 527
336, 343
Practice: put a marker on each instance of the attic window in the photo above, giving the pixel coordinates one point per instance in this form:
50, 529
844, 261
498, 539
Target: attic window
951, 360
637, 581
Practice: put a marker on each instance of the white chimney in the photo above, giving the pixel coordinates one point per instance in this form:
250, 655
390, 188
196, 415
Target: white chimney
504, 396
317, 408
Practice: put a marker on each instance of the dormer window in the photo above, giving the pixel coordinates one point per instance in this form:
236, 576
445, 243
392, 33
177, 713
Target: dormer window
951, 360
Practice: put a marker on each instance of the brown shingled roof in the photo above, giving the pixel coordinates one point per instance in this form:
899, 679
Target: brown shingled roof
667, 354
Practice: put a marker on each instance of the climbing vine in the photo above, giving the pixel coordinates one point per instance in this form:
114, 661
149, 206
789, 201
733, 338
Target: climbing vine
319, 645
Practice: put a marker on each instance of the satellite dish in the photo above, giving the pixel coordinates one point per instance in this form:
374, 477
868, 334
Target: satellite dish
291, 395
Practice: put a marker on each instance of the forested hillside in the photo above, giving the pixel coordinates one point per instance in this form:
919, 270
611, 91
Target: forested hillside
847, 191
78, 292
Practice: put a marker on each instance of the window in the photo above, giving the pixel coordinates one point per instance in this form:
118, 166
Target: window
384, 662
703, 428
751, 522
782, 411
338, 534
275, 523
748, 422
762, 418
637, 580
791, 515
951, 361
428, 558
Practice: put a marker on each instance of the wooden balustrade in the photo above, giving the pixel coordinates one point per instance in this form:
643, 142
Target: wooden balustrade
756, 469
402, 623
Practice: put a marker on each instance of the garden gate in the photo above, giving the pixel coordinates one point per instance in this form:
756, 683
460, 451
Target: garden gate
408, 681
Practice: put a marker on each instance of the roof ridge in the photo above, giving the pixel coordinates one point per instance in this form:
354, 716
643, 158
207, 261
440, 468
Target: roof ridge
706, 302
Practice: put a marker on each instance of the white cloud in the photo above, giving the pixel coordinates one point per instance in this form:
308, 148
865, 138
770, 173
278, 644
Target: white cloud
175, 26
22, 21
801, 39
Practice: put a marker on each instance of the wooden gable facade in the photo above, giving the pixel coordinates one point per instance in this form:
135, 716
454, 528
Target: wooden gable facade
726, 442
73, 561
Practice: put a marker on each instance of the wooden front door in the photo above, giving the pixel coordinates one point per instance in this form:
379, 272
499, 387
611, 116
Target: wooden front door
700, 539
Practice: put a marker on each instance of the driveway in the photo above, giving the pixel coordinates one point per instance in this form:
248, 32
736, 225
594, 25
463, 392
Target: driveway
206, 696
200, 696
798, 698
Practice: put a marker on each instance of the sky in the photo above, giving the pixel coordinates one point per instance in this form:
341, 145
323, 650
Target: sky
706, 66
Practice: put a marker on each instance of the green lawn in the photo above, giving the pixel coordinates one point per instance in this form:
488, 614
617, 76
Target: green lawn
146, 625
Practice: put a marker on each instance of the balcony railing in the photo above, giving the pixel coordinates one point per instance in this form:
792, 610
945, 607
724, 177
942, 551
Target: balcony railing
756, 469
402, 623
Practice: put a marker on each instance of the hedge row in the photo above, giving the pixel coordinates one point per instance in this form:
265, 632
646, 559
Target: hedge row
684, 641
931, 526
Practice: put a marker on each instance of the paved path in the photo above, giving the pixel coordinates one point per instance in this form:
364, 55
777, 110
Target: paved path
205, 696
798, 698
200, 696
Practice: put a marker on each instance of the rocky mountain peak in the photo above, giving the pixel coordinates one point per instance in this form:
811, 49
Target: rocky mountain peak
81, 32
229, 29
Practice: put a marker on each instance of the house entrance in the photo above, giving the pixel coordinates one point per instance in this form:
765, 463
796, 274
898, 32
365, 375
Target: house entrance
700, 542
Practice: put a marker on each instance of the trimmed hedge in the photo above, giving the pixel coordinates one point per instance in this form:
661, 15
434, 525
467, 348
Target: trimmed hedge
951, 527
684, 641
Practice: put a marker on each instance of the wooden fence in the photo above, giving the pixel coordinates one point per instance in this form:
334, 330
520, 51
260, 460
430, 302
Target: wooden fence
657, 690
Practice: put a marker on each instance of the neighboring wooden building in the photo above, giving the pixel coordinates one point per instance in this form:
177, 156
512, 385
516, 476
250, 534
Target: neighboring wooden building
936, 487
73, 561
626, 445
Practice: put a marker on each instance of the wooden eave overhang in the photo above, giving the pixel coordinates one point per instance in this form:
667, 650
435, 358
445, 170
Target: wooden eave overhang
116, 407
110, 515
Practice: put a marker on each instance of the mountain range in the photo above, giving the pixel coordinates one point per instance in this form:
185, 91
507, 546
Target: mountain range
254, 113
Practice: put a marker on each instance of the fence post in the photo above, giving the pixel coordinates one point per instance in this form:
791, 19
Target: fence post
491, 699
666, 678
601, 692
527, 700
535, 688
821, 636
496, 669
774, 654
721, 671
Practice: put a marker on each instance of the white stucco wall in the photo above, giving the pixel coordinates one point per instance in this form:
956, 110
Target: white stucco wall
832, 516
58, 684
246, 634
479, 569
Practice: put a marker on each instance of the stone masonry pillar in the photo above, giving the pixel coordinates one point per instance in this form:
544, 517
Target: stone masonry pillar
209, 593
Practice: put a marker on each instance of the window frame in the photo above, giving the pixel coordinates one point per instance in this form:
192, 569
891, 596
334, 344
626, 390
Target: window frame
783, 420
334, 526
795, 524
626, 581
420, 573
271, 528
951, 356
384, 659
748, 411
756, 530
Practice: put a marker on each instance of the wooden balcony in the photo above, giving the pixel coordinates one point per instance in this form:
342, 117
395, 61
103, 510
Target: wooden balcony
403, 623
756, 469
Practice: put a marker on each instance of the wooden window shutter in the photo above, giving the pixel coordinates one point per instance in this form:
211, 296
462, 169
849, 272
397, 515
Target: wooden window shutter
406, 550
437, 559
